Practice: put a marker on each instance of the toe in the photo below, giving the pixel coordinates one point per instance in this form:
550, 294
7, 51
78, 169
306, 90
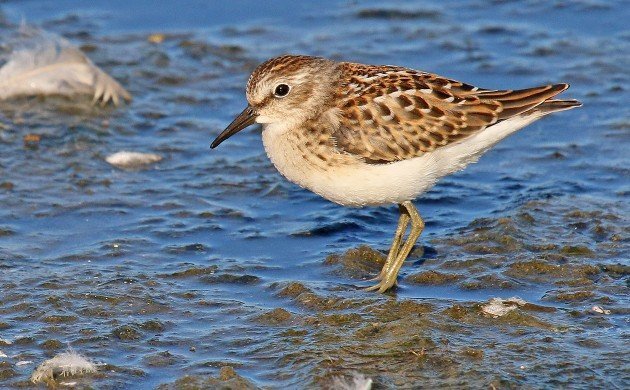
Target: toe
372, 288
382, 286
378, 277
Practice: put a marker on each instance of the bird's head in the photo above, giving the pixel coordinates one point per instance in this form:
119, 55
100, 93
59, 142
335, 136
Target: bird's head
289, 89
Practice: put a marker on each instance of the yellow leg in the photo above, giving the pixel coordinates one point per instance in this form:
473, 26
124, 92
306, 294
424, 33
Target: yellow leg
403, 221
391, 273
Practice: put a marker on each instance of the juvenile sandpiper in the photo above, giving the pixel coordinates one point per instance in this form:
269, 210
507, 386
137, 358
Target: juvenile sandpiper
369, 135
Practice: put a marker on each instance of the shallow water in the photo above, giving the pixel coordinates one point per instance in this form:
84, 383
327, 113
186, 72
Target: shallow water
211, 259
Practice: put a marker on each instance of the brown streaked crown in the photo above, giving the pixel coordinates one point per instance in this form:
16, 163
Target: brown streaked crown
286, 64
311, 81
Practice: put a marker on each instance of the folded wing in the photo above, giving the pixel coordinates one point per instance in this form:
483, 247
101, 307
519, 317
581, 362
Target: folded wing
393, 113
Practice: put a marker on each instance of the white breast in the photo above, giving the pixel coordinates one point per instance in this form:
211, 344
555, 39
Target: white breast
360, 184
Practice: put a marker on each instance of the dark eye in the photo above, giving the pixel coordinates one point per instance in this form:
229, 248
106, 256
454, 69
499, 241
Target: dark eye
281, 90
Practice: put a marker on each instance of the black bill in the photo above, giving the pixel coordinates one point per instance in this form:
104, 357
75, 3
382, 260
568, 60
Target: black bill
244, 119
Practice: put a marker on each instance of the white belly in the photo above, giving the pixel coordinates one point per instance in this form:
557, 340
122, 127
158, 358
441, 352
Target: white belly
360, 184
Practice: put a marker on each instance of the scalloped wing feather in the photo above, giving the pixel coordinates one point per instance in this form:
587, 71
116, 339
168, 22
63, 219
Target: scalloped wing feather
392, 113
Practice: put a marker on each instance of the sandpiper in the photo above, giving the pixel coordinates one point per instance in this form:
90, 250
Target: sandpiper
365, 135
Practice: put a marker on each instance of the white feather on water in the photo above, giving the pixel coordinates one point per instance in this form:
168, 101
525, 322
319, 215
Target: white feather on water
498, 307
132, 160
600, 310
356, 382
64, 364
42, 63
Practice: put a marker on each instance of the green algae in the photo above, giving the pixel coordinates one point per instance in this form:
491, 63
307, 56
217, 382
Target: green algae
60, 319
52, 345
307, 298
231, 278
541, 269
162, 359
433, 278
195, 271
616, 270
358, 262
577, 250
487, 281
472, 353
127, 333
276, 316
153, 326
572, 296
227, 379
7, 371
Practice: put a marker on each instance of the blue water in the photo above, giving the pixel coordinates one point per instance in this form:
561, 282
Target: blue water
82, 239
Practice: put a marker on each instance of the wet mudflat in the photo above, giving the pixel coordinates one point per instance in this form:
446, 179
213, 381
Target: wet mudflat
208, 269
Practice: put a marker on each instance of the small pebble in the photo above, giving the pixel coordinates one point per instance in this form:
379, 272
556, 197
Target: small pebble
156, 38
31, 140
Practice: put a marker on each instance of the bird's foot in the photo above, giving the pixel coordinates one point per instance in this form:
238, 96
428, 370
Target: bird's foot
383, 285
378, 277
